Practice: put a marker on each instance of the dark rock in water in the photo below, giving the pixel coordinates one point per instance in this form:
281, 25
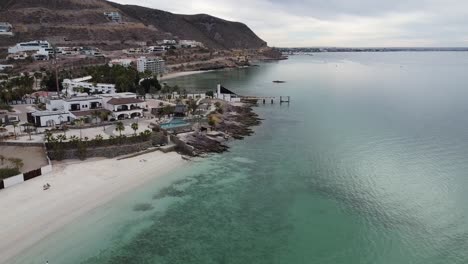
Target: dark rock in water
236, 125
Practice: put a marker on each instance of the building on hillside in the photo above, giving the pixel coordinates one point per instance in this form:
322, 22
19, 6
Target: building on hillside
154, 65
124, 105
6, 28
17, 56
122, 62
168, 42
5, 67
48, 118
80, 85
157, 49
91, 51
190, 44
113, 16
35, 45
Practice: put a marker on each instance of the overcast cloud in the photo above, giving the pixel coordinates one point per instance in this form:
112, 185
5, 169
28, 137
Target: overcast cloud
342, 23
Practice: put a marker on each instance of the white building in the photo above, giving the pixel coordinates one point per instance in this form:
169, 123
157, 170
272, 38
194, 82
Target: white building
124, 105
35, 45
48, 118
157, 49
73, 86
122, 62
226, 95
154, 65
190, 44
79, 103
5, 27
113, 16
5, 66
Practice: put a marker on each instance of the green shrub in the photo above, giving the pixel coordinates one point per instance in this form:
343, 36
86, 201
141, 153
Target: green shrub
8, 172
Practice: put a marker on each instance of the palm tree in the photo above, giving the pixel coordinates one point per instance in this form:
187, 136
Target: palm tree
135, 127
15, 125
28, 129
80, 124
95, 114
104, 115
119, 126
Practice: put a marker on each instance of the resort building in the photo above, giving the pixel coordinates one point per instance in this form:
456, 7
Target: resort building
81, 85
122, 62
36, 45
79, 103
124, 105
48, 118
154, 65
113, 16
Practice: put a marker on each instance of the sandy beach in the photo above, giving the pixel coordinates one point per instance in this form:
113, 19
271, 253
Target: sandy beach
173, 75
29, 214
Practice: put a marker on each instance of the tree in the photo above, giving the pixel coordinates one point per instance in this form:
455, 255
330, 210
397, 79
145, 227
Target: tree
135, 127
80, 122
192, 106
119, 126
15, 125
104, 115
95, 114
28, 127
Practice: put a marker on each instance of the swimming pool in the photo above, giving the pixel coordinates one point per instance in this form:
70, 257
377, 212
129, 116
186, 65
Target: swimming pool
175, 122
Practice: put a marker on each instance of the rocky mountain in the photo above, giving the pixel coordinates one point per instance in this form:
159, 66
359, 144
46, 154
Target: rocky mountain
82, 22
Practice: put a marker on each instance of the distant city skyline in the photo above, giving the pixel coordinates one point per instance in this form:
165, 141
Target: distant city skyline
341, 23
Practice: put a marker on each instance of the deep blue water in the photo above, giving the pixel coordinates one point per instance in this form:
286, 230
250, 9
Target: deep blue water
368, 164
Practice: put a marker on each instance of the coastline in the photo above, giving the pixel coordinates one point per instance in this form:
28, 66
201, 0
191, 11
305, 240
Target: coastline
76, 188
176, 74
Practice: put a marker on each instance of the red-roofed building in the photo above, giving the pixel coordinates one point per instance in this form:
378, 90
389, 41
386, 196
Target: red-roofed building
124, 105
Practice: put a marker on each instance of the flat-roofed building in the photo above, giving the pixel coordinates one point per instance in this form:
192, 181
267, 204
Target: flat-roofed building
154, 65
36, 45
81, 85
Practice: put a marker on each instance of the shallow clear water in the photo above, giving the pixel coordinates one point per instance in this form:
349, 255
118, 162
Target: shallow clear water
368, 164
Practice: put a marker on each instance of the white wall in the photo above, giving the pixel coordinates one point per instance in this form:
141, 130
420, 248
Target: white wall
8, 182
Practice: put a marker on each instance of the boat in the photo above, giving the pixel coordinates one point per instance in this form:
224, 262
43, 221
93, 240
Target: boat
279, 81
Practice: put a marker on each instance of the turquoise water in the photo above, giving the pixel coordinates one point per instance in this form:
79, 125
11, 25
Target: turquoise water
368, 164
175, 122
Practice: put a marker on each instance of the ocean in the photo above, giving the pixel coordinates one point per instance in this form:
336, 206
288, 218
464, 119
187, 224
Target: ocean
367, 164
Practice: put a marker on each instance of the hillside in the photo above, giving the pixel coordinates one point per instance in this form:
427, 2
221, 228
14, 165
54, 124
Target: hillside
81, 22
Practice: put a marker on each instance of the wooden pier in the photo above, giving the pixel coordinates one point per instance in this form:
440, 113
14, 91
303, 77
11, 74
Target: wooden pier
265, 99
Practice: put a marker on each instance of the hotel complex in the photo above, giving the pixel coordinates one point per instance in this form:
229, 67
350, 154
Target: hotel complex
154, 65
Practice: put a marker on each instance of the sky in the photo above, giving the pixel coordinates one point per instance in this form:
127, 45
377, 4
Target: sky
338, 23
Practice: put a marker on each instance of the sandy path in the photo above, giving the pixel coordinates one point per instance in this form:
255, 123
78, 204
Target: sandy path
29, 214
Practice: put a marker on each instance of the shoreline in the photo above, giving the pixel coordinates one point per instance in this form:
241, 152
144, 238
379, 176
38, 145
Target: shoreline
76, 189
176, 74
